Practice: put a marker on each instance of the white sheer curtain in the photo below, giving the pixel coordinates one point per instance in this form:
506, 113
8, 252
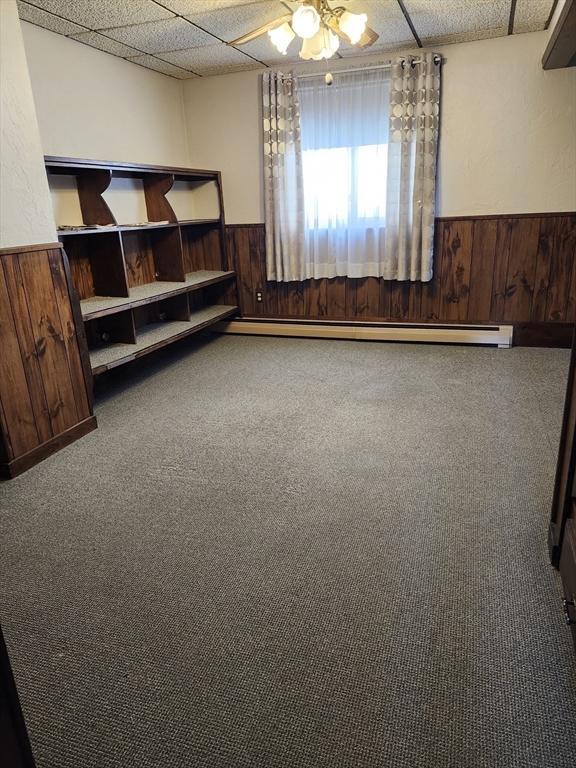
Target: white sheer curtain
344, 136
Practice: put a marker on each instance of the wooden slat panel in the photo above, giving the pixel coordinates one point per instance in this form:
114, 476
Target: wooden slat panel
139, 258
486, 269
562, 260
415, 301
503, 234
385, 298
363, 298
455, 276
521, 269
239, 252
69, 333
542, 274
19, 428
317, 299
25, 336
481, 270
49, 340
399, 301
336, 298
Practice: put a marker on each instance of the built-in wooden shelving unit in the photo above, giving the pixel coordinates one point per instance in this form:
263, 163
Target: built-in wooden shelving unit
147, 253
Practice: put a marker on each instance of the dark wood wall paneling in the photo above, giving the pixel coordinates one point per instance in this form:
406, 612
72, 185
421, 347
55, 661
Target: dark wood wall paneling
44, 378
487, 269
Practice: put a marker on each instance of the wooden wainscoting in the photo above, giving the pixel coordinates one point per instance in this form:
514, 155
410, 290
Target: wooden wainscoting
45, 380
516, 269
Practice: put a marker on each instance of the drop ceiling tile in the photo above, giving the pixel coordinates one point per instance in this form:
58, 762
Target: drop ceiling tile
531, 15
158, 36
47, 20
457, 20
97, 40
101, 14
151, 62
230, 23
188, 7
211, 59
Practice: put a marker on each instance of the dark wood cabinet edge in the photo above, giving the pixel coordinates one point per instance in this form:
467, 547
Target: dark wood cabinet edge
559, 516
80, 331
86, 164
561, 49
11, 469
17, 735
30, 248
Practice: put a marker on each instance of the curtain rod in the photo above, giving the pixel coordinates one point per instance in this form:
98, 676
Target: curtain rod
387, 65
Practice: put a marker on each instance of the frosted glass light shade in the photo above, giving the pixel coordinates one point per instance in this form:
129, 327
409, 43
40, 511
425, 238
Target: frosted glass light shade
323, 45
281, 37
306, 21
353, 25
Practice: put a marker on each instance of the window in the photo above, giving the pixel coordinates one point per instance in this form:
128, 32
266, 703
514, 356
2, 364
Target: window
345, 151
343, 186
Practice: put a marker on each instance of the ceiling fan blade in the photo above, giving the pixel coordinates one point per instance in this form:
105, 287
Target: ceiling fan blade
368, 38
261, 30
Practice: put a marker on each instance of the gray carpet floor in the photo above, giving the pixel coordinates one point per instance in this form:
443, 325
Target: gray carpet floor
285, 553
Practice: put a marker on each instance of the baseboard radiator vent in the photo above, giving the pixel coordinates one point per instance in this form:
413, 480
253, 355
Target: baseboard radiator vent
488, 335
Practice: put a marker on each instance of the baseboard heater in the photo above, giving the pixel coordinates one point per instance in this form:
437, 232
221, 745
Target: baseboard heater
488, 335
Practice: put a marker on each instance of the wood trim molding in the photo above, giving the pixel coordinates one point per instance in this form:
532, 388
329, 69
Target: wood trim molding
20, 464
30, 248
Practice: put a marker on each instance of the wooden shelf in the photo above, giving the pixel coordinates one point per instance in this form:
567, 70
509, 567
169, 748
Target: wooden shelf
144, 286
155, 336
99, 306
197, 222
117, 228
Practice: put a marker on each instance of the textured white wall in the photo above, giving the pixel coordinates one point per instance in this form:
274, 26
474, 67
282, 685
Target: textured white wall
94, 105
25, 208
507, 132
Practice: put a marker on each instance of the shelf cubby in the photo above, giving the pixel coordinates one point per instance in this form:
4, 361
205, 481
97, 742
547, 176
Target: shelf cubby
194, 200
99, 306
141, 284
97, 265
153, 254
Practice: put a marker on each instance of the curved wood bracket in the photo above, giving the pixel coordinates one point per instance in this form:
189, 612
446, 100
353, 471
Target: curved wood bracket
155, 189
91, 185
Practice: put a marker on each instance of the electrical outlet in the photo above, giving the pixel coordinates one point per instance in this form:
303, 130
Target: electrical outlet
259, 296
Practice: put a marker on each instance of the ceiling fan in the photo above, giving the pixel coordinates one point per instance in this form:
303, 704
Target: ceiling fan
320, 27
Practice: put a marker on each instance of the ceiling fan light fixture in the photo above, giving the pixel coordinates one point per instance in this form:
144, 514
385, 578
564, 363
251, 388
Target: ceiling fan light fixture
306, 21
323, 45
353, 25
281, 37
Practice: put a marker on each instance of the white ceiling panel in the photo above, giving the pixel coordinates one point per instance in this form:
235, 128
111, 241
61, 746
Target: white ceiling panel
96, 40
531, 15
151, 62
188, 7
47, 20
444, 21
230, 23
211, 59
100, 14
158, 36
